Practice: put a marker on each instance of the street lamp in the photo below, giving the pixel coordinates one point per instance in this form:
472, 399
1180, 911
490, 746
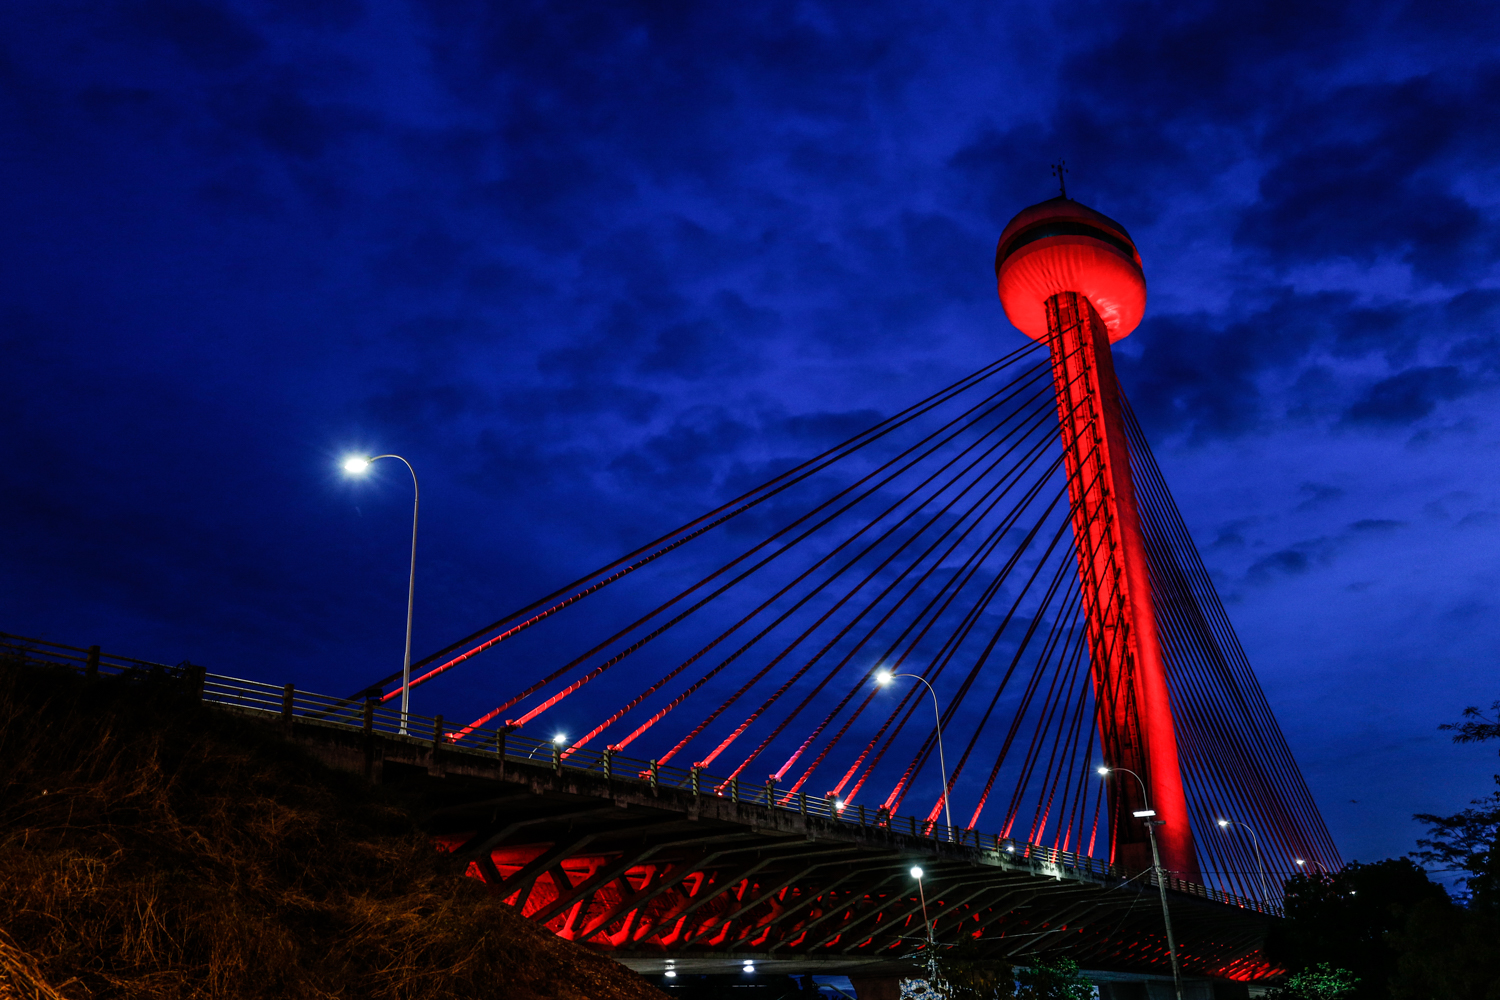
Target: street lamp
358, 465
884, 678
916, 873
558, 740
1318, 866
1260, 861
1149, 815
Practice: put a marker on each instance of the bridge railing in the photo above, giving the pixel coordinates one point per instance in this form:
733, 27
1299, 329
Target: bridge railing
291, 704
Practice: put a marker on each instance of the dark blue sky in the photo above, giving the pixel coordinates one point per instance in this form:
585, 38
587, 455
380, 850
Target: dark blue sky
592, 269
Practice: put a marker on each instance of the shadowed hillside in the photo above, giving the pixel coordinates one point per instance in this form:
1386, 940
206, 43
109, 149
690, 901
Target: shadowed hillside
152, 847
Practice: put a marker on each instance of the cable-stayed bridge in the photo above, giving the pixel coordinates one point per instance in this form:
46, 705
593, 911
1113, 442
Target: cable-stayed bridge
972, 640
980, 622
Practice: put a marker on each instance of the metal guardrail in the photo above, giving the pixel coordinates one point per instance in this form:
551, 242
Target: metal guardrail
289, 703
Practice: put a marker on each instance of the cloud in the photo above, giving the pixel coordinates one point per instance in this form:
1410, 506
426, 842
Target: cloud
428, 258
1374, 176
1304, 557
1308, 357
1288, 562
1376, 524
1318, 494
1407, 397
208, 36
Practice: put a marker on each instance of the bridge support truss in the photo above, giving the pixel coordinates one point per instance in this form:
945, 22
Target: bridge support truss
655, 874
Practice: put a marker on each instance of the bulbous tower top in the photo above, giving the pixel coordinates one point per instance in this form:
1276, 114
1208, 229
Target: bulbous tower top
1060, 245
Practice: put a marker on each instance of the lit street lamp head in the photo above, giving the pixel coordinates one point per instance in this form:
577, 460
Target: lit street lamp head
884, 677
916, 872
1103, 771
356, 465
1224, 823
560, 739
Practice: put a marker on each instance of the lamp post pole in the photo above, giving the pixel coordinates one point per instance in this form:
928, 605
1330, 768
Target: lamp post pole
932, 968
1149, 815
1260, 860
883, 678
356, 466
917, 874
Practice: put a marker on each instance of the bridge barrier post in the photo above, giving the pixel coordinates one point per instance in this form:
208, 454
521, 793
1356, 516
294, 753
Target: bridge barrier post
861, 814
91, 665
433, 766
556, 757
802, 803
696, 772
609, 763
770, 792
655, 776
500, 747
734, 790
374, 748
195, 676
287, 694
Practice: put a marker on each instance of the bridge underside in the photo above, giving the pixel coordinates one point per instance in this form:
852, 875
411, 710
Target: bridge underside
650, 874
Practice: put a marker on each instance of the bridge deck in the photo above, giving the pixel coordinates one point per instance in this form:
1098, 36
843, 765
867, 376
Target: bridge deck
659, 874
657, 868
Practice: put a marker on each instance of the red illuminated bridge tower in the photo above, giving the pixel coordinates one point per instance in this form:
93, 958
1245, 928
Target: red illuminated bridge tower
1072, 278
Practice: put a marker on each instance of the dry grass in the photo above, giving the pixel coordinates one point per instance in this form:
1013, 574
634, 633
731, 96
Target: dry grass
150, 847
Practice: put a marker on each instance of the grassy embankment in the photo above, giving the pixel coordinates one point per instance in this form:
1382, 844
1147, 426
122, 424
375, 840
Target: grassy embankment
152, 847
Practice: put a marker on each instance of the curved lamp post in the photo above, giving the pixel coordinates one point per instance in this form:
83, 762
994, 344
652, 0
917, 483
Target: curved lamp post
917, 873
358, 465
883, 678
1318, 866
932, 969
1260, 861
1149, 815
